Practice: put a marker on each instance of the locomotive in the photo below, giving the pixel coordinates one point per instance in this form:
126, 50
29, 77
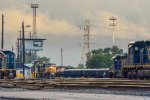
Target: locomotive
7, 64
135, 63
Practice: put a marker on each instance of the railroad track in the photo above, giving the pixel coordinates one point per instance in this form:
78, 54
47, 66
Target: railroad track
75, 83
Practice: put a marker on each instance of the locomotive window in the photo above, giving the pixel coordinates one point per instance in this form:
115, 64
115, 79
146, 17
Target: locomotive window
136, 48
8, 57
12, 56
104, 73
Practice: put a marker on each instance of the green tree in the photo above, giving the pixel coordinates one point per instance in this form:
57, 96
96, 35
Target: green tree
116, 50
44, 60
101, 58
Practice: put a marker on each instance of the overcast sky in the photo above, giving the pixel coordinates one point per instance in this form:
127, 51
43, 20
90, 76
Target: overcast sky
59, 22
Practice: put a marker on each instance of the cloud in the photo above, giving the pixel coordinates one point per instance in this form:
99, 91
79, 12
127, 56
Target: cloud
125, 29
55, 26
46, 26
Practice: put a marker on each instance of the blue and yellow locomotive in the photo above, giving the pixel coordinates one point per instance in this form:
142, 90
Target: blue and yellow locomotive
7, 65
135, 64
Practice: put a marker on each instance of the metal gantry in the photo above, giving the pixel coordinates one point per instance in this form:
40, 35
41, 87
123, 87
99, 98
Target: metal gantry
86, 45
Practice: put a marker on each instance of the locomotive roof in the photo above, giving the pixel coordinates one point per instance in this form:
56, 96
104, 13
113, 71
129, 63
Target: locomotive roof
8, 52
1, 52
139, 44
4, 53
119, 55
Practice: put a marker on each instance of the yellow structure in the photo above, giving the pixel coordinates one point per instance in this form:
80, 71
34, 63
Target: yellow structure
19, 75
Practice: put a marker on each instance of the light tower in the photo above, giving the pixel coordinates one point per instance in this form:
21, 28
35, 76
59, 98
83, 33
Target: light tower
86, 45
113, 24
34, 7
87, 38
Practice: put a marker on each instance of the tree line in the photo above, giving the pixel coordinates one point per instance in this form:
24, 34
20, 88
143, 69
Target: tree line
102, 58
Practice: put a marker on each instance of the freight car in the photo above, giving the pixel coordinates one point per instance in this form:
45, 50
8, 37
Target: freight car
135, 64
7, 65
88, 73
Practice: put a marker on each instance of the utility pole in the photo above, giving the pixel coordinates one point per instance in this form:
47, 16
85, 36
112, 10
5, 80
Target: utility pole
113, 24
23, 49
18, 47
30, 52
61, 57
2, 32
12, 48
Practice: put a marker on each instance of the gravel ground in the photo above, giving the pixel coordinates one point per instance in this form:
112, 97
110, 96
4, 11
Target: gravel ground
116, 91
74, 94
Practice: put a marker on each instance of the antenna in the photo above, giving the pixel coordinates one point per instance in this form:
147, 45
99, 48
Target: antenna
113, 24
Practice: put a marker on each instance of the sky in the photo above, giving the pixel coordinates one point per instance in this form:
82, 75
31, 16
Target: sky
61, 23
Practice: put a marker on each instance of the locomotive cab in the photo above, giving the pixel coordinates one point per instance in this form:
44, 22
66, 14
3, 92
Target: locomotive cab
119, 61
7, 65
138, 60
